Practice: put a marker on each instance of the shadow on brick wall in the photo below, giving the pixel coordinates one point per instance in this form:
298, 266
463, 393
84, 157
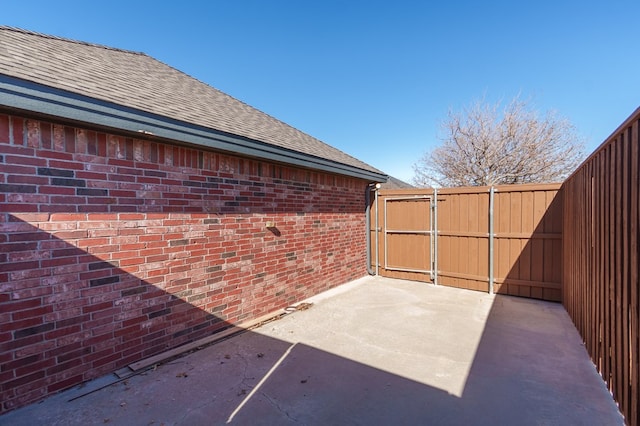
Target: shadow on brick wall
68, 316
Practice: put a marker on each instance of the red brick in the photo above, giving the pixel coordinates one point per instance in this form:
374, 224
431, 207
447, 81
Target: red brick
15, 166
106, 360
45, 135
25, 379
18, 130
13, 207
4, 128
60, 332
41, 364
64, 384
97, 307
18, 401
17, 150
91, 176
74, 363
31, 313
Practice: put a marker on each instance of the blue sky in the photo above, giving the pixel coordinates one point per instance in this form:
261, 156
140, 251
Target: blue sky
375, 78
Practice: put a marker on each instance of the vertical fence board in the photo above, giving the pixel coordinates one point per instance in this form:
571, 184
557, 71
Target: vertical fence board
624, 264
611, 319
601, 261
501, 220
592, 268
616, 365
527, 222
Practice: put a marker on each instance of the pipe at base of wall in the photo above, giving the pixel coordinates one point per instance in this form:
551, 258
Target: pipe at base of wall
367, 212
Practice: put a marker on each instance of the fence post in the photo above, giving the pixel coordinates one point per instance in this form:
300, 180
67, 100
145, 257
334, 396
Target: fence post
434, 214
491, 277
375, 202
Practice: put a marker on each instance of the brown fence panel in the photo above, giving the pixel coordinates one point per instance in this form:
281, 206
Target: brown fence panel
463, 238
528, 241
600, 261
527, 238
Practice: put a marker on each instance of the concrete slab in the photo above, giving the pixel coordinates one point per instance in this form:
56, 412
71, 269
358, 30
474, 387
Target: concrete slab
375, 351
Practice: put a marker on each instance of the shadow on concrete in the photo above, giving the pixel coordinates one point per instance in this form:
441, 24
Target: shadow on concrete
378, 353
527, 367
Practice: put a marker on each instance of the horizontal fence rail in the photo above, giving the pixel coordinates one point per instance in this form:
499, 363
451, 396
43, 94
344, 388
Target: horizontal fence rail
600, 260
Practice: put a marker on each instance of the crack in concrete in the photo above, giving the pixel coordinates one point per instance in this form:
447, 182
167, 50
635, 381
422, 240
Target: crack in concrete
245, 378
192, 409
277, 406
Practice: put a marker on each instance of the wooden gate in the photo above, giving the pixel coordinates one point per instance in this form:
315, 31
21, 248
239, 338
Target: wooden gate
407, 229
401, 236
504, 240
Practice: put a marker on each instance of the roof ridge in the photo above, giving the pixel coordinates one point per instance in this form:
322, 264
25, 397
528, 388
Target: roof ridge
65, 39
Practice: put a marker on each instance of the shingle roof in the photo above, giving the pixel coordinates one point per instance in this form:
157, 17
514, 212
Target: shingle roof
136, 80
394, 183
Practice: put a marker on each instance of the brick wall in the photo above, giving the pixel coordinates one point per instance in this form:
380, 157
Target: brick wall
114, 249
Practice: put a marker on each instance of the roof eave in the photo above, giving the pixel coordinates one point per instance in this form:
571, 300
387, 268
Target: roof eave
28, 96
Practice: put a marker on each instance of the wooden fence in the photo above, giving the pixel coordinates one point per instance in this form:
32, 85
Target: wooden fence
527, 234
578, 243
446, 237
600, 261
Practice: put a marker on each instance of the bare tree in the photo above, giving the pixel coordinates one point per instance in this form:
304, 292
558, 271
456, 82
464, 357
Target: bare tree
487, 145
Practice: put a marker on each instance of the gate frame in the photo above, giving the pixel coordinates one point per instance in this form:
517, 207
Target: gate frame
428, 232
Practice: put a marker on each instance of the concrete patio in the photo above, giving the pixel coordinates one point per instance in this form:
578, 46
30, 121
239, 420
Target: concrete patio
376, 351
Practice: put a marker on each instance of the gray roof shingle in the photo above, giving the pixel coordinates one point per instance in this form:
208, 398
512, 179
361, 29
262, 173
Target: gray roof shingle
395, 183
136, 80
